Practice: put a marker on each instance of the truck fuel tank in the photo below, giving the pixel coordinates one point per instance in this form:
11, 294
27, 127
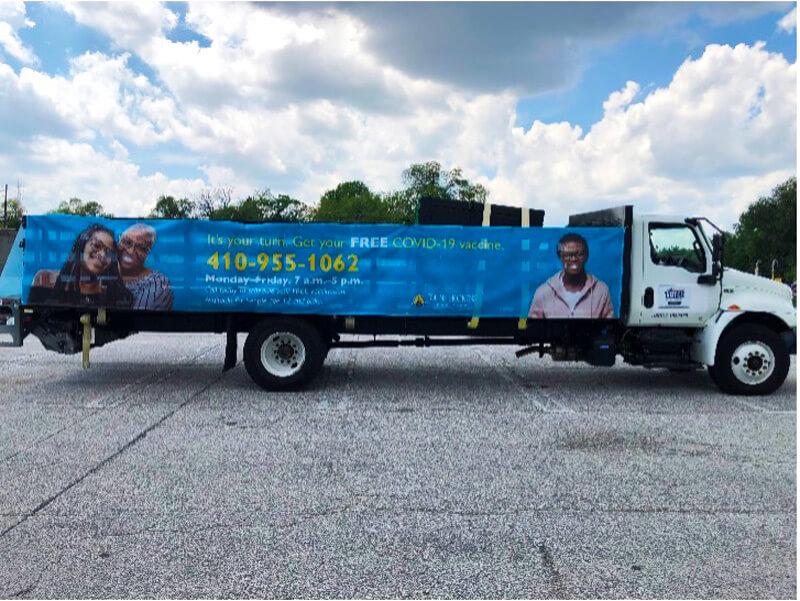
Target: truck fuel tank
603, 350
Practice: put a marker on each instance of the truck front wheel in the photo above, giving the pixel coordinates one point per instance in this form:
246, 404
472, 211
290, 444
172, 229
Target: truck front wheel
751, 359
283, 353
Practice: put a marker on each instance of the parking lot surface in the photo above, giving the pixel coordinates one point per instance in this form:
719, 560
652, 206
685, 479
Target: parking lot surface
457, 472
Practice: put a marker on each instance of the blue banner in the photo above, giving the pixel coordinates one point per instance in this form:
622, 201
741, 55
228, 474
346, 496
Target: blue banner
329, 269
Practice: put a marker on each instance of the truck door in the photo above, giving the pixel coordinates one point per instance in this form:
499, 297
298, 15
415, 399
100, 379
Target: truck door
671, 292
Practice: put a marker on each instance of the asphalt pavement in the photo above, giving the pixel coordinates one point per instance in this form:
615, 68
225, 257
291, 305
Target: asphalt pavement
444, 473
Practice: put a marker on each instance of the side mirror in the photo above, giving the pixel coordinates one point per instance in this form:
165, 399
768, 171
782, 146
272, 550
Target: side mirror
717, 248
717, 252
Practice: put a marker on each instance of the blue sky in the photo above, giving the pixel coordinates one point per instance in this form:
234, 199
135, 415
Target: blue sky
674, 107
651, 59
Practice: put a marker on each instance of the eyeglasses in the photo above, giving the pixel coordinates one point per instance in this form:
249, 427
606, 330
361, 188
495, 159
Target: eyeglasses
572, 256
96, 246
129, 244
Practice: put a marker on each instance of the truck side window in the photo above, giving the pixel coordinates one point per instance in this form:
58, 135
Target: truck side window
677, 246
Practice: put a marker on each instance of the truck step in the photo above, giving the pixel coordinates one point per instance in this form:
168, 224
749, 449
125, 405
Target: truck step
11, 325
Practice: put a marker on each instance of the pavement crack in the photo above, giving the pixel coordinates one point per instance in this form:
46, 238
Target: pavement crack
111, 457
32, 587
134, 388
553, 576
362, 510
195, 530
25, 591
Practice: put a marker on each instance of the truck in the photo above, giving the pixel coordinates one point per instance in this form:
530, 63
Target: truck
651, 289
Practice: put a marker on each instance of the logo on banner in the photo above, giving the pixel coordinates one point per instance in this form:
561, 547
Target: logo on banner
674, 297
418, 300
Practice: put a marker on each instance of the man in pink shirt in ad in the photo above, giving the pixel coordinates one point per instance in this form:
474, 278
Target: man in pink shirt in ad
572, 293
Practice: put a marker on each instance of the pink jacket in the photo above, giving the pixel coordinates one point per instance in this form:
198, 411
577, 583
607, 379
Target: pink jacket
548, 301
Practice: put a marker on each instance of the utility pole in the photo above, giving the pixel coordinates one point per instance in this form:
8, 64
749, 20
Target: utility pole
5, 207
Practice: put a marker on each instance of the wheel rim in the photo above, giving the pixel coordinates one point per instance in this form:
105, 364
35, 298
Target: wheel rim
753, 362
283, 354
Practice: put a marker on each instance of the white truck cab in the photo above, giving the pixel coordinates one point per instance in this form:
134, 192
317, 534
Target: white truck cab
671, 274
742, 327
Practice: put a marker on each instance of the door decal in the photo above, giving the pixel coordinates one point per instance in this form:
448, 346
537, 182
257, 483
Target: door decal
674, 296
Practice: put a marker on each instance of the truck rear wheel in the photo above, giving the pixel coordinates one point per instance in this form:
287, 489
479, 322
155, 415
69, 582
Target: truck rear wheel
283, 353
751, 360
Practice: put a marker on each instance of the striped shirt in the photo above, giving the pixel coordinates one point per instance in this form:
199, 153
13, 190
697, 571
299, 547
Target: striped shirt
152, 292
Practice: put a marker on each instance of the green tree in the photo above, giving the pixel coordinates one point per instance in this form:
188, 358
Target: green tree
267, 207
14, 214
766, 231
287, 209
425, 179
261, 207
241, 211
351, 202
76, 206
401, 207
167, 207
430, 180
459, 188
215, 203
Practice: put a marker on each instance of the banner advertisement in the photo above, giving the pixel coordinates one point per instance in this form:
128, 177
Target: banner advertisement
326, 269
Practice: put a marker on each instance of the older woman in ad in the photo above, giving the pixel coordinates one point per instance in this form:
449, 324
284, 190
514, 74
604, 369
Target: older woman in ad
150, 288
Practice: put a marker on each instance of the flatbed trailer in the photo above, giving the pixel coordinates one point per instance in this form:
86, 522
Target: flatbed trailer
649, 288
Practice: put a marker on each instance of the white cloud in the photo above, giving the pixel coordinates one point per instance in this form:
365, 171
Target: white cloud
726, 118
617, 101
258, 31
101, 97
741, 191
529, 47
12, 19
310, 105
129, 24
54, 170
789, 22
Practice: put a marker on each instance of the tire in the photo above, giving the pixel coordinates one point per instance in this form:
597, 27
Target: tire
750, 360
283, 353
